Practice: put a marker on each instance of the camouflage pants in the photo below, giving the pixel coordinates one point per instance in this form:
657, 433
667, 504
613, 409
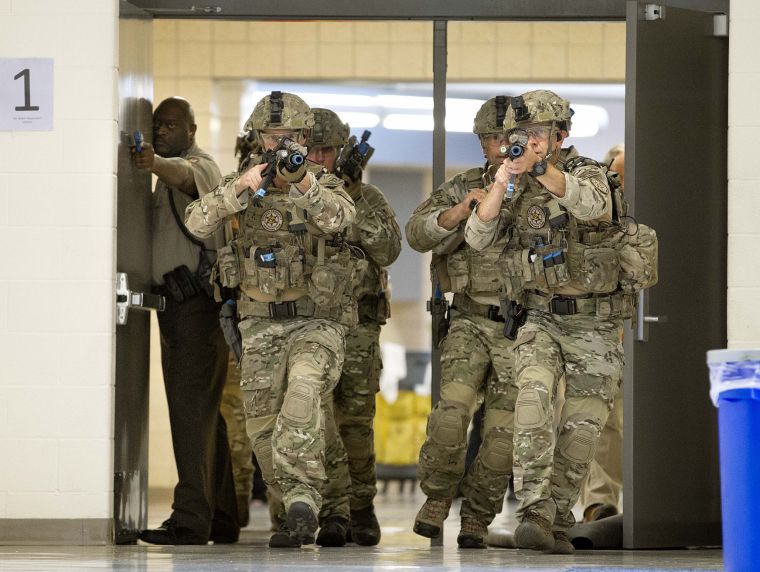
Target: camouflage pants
476, 361
549, 467
234, 416
605, 474
289, 368
354, 406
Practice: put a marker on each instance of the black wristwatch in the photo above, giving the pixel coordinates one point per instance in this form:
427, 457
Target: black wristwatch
539, 168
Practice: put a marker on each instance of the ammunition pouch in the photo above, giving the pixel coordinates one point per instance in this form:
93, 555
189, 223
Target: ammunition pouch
374, 309
638, 259
181, 284
272, 269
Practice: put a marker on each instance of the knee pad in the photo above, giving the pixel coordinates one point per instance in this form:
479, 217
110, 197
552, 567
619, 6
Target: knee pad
262, 448
496, 451
448, 423
300, 403
532, 406
578, 440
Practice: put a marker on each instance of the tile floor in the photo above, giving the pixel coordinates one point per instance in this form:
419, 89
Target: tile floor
400, 549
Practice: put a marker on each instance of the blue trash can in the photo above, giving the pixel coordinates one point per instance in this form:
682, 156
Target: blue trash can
735, 391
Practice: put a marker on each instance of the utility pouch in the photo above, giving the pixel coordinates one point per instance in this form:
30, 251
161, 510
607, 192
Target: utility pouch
181, 284
264, 257
227, 263
638, 259
457, 268
329, 281
599, 270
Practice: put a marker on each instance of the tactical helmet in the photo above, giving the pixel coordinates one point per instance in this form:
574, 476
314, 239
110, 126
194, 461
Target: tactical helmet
538, 106
280, 110
490, 116
328, 129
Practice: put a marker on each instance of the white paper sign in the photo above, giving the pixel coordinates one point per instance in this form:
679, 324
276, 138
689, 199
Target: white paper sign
26, 94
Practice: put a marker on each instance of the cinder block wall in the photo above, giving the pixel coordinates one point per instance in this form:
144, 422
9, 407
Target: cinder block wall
57, 228
743, 178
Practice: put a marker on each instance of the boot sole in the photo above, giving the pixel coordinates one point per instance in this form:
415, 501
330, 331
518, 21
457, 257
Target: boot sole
470, 542
533, 538
427, 530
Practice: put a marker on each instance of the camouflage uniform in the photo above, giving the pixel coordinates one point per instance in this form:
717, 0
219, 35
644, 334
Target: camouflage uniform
293, 273
573, 327
240, 447
476, 364
376, 234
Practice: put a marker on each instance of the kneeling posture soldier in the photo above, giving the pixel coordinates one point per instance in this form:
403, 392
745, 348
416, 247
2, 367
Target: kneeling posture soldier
293, 272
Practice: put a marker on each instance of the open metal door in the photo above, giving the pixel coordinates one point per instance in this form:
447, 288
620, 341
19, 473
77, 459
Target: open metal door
676, 137
133, 259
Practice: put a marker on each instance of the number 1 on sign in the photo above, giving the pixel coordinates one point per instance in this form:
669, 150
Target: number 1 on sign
27, 97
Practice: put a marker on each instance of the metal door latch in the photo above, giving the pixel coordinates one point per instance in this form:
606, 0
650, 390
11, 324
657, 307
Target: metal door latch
643, 319
126, 299
652, 12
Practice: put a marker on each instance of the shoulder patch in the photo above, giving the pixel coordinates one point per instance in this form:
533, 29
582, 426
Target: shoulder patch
599, 185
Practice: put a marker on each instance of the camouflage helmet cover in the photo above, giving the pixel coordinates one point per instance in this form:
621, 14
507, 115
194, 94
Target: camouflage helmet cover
538, 106
328, 129
490, 117
280, 110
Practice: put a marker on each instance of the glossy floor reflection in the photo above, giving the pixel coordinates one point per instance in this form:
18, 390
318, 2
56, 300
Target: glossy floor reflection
400, 549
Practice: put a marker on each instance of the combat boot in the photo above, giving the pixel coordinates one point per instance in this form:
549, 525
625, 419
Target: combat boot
472, 534
562, 544
298, 529
534, 532
365, 530
429, 521
333, 532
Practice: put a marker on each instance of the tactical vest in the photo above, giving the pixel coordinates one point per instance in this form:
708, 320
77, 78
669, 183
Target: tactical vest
551, 252
469, 271
277, 251
370, 287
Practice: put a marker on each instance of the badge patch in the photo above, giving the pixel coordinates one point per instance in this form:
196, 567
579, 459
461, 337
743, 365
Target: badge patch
600, 186
271, 220
536, 217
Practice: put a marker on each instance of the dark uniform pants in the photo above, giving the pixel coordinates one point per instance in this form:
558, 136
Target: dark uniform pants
194, 361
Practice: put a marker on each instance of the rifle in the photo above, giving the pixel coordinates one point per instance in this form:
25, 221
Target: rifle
289, 155
353, 158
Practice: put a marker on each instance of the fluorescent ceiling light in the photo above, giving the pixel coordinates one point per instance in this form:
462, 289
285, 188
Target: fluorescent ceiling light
356, 119
409, 121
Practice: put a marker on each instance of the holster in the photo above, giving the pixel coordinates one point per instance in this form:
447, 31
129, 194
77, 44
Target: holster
228, 321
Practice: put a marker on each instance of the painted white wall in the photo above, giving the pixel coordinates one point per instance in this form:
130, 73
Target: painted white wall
743, 177
57, 231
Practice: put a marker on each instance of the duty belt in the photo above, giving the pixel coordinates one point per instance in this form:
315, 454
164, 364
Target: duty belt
602, 305
464, 303
276, 310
